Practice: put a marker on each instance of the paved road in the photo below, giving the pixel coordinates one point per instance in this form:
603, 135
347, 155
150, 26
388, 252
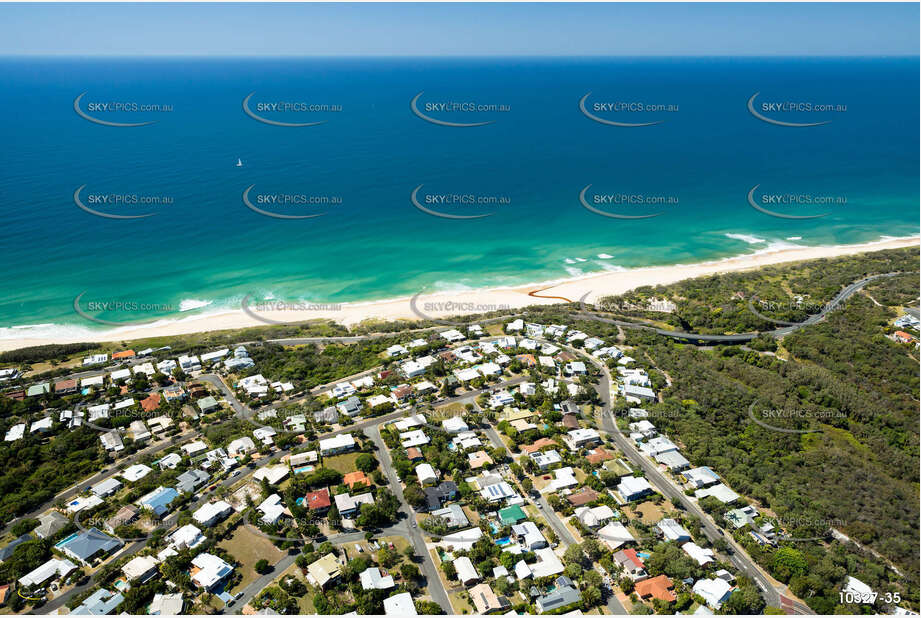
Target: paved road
429, 569
739, 558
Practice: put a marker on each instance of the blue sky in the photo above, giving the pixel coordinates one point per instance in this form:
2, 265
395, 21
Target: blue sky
375, 29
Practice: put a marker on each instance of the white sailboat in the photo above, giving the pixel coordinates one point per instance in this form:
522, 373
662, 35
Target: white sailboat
239, 162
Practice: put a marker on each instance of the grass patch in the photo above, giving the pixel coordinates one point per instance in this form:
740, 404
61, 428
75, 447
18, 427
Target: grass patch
249, 548
344, 463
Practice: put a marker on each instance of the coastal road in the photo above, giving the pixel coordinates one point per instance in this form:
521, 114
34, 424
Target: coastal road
739, 557
429, 569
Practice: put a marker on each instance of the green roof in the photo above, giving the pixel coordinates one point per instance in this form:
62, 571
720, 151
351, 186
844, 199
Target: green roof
511, 515
39, 389
207, 402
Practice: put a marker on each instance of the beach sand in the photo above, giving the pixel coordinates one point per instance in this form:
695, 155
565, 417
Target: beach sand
479, 301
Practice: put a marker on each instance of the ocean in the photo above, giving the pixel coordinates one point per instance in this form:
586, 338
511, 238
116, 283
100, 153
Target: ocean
693, 164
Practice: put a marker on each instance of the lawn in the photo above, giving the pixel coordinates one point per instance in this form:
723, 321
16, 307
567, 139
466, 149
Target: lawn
249, 548
344, 463
649, 512
460, 604
452, 409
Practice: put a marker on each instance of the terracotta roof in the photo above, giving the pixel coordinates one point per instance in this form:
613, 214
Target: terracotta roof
527, 359
317, 500
533, 448
151, 403
598, 455
582, 497
570, 420
659, 587
123, 354
65, 385
356, 478
629, 555
413, 453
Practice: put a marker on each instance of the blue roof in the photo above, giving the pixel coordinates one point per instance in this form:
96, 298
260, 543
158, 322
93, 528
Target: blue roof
99, 603
159, 499
88, 543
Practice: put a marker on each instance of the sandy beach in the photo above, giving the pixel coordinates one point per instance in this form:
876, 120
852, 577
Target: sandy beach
440, 305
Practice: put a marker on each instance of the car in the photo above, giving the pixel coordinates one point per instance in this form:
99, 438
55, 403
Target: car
234, 473
414, 524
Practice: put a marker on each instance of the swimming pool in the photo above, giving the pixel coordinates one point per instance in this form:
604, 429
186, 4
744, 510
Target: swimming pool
67, 540
303, 469
503, 541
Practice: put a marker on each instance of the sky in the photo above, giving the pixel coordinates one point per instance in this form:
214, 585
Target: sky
459, 29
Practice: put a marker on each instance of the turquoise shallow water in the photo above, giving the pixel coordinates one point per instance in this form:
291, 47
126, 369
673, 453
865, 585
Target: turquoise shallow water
205, 250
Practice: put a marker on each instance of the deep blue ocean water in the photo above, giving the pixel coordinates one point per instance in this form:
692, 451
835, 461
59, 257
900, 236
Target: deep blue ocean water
205, 250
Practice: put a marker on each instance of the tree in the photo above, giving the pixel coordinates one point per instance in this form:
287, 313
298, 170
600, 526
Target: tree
262, 566
409, 572
590, 598
414, 496
366, 462
450, 571
574, 554
333, 517
428, 608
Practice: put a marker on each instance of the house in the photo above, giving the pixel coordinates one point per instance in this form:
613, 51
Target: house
89, 544
563, 595
50, 524
496, 492
529, 536
107, 487
324, 570
7, 550
594, 516
511, 515
15, 432
632, 565
158, 500
633, 488
166, 605
140, 569
187, 537
614, 535
562, 478
173, 393
170, 461
400, 605
136, 472
659, 587
53, 569
671, 530
349, 506
372, 579
719, 491
92, 382
240, 446
273, 475
700, 554
194, 448
453, 515
111, 441
337, 444
65, 387
576, 368
188, 364
357, 478
578, 438
546, 459
264, 434
857, 588
436, 496
318, 501
598, 455
272, 508
636, 393
350, 407
211, 513
139, 431
209, 571
101, 602
700, 477
485, 600
396, 350
466, 573
455, 424
190, 480
416, 437
95, 359
326, 416
83, 503
582, 497
643, 427
478, 459
123, 517
208, 404
673, 460
714, 592
657, 446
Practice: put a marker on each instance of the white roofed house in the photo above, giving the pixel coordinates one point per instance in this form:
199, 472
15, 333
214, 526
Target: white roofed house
42, 426
529, 536
240, 446
578, 438
452, 335
396, 350
455, 424
426, 474
372, 579
146, 368
636, 393
657, 446
671, 530
120, 375
189, 363
272, 508
98, 411
166, 367
702, 555
714, 592
92, 381
211, 570
415, 437
211, 513
337, 444
673, 460
719, 491
700, 477
212, 357
615, 535
140, 569
633, 488
264, 434
466, 573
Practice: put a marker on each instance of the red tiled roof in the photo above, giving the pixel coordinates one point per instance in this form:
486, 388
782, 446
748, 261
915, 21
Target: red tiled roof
533, 448
151, 403
413, 453
317, 500
123, 354
582, 497
659, 587
598, 455
356, 478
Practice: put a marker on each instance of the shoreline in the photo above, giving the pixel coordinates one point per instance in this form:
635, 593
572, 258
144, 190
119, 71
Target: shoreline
442, 304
